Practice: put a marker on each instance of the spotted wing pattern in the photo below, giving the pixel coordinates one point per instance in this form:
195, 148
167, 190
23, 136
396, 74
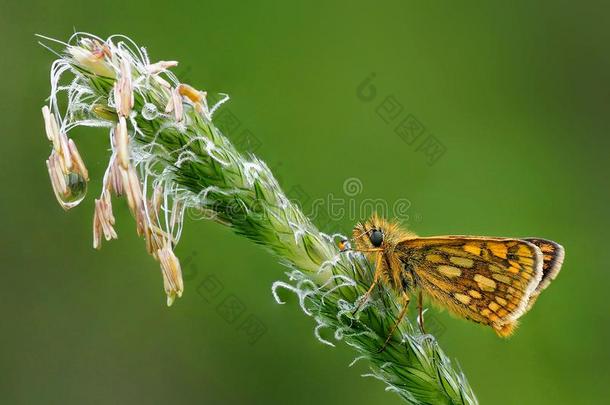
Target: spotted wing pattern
487, 280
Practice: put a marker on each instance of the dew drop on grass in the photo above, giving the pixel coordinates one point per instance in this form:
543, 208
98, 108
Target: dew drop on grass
77, 190
149, 111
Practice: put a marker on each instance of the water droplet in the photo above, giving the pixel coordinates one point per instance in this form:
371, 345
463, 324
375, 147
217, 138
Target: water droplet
77, 190
149, 111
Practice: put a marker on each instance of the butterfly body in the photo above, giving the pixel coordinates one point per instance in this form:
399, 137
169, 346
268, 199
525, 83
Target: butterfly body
491, 281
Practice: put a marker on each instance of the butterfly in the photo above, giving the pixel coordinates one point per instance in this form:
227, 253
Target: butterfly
491, 281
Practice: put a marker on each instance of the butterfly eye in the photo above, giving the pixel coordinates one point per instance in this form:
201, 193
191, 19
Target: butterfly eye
376, 237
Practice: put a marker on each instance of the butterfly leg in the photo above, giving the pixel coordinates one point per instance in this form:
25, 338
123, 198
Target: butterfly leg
420, 312
376, 277
401, 315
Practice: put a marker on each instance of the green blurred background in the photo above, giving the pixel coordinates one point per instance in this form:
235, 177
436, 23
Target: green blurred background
518, 95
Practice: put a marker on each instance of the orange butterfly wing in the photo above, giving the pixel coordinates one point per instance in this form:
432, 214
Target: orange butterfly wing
486, 280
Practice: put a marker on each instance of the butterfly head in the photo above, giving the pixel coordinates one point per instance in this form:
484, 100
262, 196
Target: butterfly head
376, 233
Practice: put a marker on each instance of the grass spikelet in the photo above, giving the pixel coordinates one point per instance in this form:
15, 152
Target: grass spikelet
168, 156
